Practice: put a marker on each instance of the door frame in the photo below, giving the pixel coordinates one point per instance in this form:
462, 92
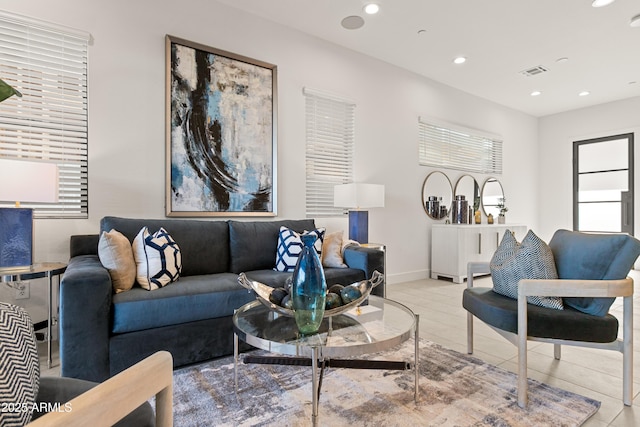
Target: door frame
628, 208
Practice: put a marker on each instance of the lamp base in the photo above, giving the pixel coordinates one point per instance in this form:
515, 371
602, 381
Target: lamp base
359, 226
16, 237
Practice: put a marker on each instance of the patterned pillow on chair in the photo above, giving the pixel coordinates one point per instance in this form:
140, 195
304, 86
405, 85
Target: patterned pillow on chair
19, 366
531, 259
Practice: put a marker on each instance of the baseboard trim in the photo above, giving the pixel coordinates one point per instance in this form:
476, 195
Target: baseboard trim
407, 277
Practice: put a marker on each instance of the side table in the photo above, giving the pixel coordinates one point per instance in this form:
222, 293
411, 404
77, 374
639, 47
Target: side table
38, 271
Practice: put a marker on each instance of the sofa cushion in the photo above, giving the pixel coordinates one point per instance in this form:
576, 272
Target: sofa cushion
116, 255
204, 245
158, 259
290, 247
252, 244
531, 259
195, 298
593, 257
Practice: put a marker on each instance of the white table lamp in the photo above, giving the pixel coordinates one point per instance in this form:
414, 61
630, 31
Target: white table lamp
358, 196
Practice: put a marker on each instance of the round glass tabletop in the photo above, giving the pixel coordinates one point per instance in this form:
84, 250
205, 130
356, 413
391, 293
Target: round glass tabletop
377, 326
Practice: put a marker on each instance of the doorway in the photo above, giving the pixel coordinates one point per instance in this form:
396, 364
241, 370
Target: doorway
603, 184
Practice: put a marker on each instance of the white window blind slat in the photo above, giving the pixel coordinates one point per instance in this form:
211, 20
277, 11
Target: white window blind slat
330, 136
47, 63
441, 145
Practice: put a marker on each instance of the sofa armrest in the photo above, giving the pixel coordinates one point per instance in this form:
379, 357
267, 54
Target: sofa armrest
367, 260
85, 307
84, 244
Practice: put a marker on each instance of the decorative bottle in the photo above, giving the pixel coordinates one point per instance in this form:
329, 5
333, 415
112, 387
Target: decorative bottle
309, 288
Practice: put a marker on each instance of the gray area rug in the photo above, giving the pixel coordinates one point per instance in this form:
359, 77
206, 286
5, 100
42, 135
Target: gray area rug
455, 390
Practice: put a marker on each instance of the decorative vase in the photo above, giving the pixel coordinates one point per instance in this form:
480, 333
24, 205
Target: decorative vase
501, 219
478, 217
490, 219
309, 288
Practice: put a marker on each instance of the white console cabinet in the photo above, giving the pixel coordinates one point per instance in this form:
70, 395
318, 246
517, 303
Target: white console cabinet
454, 245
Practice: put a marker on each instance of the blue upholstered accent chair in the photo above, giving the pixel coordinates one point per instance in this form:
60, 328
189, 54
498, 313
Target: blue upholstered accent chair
592, 271
59, 401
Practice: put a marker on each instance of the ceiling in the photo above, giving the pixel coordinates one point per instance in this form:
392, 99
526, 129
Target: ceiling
500, 38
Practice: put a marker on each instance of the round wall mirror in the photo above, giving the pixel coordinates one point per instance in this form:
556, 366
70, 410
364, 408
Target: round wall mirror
468, 187
437, 195
492, 195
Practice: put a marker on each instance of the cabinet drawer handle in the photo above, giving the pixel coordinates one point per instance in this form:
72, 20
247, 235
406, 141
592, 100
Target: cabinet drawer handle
479, 243
497, 239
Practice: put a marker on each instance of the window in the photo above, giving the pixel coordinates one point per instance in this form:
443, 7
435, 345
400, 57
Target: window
603, 184
48, 65
455, 147
330, 123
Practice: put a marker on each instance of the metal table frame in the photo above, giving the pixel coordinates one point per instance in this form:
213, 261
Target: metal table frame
38, 271
318, 355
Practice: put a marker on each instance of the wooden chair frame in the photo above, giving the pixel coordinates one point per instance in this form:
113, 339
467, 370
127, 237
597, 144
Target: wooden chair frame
110, 401
563, 288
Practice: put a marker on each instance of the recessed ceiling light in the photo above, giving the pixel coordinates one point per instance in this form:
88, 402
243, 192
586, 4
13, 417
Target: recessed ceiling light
371, 8
633, 82
422, 32
584, 93
460, 60
352, 22
536, 93
635, 21
561, 60
601, 3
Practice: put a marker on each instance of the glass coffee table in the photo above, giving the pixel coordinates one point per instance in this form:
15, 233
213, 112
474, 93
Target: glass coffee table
377, 326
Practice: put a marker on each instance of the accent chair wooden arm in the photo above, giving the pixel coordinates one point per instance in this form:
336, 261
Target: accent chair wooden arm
112, 400
578, 288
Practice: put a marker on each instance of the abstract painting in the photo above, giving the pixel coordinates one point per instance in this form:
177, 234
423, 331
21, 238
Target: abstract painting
221, 128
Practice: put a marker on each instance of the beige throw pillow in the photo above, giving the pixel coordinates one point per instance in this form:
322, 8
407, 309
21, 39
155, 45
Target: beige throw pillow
332, 250
116, 255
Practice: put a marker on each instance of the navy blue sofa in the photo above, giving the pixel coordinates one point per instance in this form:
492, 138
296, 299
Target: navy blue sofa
103, 333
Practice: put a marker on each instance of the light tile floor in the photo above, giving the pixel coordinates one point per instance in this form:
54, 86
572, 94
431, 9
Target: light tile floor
593, 373
589, 372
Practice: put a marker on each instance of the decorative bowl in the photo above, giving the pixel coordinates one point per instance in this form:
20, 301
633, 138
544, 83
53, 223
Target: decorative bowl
264, 291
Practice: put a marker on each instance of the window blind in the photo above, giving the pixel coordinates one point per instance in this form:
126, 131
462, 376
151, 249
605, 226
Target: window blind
47, 63
454, 147
330, 136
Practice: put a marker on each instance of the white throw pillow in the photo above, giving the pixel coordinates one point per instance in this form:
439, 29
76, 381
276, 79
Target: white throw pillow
158, 259
116, 255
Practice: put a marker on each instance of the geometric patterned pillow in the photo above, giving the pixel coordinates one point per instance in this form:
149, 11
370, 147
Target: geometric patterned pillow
290, 247
531, 259
158, 259
19, 366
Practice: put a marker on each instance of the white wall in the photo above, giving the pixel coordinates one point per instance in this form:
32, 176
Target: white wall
126, 119
557, 134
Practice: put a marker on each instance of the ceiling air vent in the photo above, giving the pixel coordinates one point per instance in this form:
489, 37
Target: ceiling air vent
534, 71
